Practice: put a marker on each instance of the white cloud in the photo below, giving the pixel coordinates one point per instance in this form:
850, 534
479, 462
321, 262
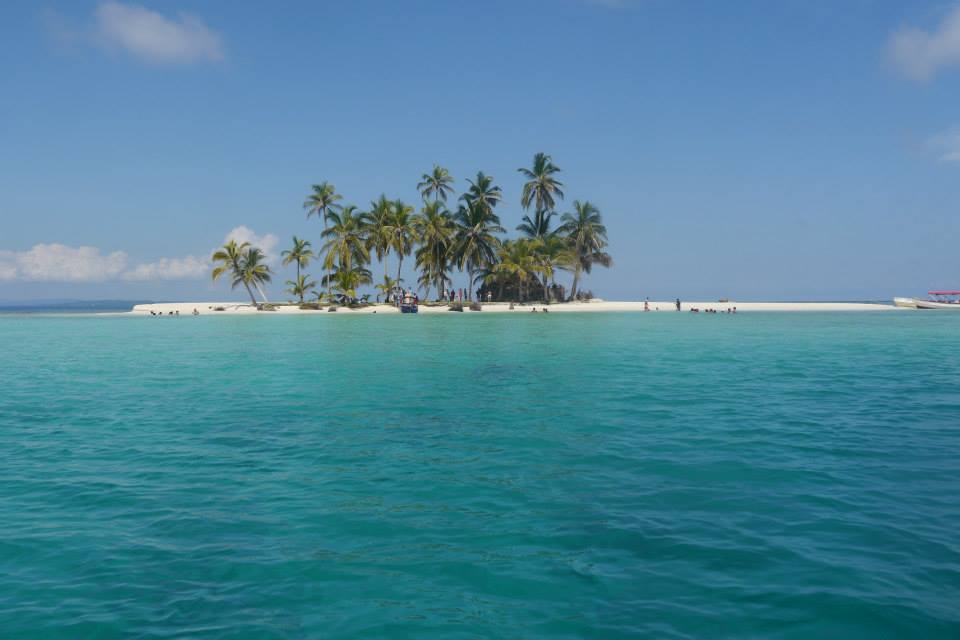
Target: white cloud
153, 37
7, 271
267, 242
61, 263
946, 145
169, 269
920, 54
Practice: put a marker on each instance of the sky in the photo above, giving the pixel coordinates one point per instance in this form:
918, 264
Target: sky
753, 150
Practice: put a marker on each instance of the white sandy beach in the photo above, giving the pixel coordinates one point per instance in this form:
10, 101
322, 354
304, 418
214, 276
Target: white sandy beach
595, 306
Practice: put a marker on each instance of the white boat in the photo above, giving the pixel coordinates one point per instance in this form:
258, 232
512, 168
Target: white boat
946, 299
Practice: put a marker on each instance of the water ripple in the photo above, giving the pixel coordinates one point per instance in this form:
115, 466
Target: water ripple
775, 476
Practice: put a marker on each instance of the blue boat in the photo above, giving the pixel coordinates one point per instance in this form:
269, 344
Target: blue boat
408, 307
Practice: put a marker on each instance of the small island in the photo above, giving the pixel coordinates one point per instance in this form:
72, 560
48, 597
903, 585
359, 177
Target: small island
504, 274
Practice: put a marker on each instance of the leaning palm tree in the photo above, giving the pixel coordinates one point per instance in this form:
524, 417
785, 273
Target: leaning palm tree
482, 193
322, 201
403, 235
301, 286
476, 243
345, 245
230, 259
377, 228
254, 271
541, 187
300, 253
436, 231
587, 236
436, 183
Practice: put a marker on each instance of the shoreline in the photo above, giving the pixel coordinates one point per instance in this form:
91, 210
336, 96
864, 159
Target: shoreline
596, 306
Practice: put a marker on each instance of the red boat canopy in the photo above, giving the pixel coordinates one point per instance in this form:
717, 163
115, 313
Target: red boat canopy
943, 293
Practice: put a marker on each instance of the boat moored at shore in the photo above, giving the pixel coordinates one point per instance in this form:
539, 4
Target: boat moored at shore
939, 299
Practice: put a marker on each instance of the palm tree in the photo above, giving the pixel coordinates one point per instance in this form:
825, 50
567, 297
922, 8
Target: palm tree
489, 275
483, 193
436, 183
254, 271
541, 187
230, 256
476, 245
299, 253
301, 286
347, 280
436, 231
346, 245
377, 228
552, 252
518, 262
322, 202
538, 227
387, 287
402, 232
541, 190
587, 236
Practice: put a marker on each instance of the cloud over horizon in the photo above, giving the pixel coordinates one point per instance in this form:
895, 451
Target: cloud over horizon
919, 55
61, 263
54, 262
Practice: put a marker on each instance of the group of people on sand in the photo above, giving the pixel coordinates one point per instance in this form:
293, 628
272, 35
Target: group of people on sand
175, 312
459, 295
728, 310
678, 305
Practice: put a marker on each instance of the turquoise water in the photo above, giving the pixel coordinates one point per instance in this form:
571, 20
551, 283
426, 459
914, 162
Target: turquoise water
480, 476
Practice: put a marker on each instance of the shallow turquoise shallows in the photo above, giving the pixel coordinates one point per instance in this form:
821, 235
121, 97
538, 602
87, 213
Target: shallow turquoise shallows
654, 475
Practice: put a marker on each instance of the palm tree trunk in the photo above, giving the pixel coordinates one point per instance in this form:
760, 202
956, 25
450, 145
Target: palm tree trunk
546, 293
399, 267
576, 280
298, 281
250, 293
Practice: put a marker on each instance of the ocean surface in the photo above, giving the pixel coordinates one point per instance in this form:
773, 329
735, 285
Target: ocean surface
659, 475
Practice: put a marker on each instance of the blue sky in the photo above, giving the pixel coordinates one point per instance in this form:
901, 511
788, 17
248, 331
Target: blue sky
751, 150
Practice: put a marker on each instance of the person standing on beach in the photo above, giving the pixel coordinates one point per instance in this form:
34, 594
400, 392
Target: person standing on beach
678, 304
